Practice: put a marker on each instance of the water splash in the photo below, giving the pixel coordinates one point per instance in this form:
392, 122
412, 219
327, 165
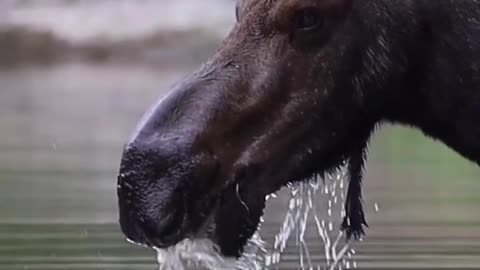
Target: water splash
204, 254
315, 208
306, 212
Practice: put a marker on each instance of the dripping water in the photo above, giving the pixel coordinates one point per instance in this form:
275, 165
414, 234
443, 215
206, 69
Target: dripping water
316, 209
313, 215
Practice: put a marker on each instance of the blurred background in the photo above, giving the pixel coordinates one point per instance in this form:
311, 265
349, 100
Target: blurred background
75, 78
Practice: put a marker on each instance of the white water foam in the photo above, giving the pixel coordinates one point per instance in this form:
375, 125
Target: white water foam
314, 207
203, 254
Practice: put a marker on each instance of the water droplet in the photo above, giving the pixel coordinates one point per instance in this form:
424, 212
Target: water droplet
308, 203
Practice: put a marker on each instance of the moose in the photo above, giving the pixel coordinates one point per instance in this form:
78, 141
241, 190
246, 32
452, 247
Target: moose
296, 89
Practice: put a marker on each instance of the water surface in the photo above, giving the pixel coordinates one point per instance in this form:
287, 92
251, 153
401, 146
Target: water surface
62, 129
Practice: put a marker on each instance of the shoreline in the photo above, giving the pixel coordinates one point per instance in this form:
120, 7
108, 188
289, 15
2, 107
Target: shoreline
20, 45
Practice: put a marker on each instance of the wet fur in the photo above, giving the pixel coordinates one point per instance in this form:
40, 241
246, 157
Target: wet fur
439, 92
409, 62
354, 214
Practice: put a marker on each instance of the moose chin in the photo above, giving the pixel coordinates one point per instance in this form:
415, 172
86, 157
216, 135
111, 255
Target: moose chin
295, 89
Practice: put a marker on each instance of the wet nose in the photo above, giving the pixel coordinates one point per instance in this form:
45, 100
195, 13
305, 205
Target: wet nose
158, 223
166, 225
151, 202
158, 231
133, 231
161, 177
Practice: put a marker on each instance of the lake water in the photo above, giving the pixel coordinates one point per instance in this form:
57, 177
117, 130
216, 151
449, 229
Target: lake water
86, 20
62, 131
63, 125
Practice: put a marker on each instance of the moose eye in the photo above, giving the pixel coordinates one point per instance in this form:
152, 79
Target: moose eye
307, 19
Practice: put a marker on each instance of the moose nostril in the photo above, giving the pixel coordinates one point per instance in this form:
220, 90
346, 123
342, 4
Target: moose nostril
132, 230
171, 225
165, 228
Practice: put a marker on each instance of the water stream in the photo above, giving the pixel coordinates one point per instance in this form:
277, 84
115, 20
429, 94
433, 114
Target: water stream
315, 205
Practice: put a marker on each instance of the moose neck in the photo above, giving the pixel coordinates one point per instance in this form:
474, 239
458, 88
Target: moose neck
436, 86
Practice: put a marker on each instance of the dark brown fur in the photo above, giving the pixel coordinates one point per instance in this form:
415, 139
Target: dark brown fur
280, 102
